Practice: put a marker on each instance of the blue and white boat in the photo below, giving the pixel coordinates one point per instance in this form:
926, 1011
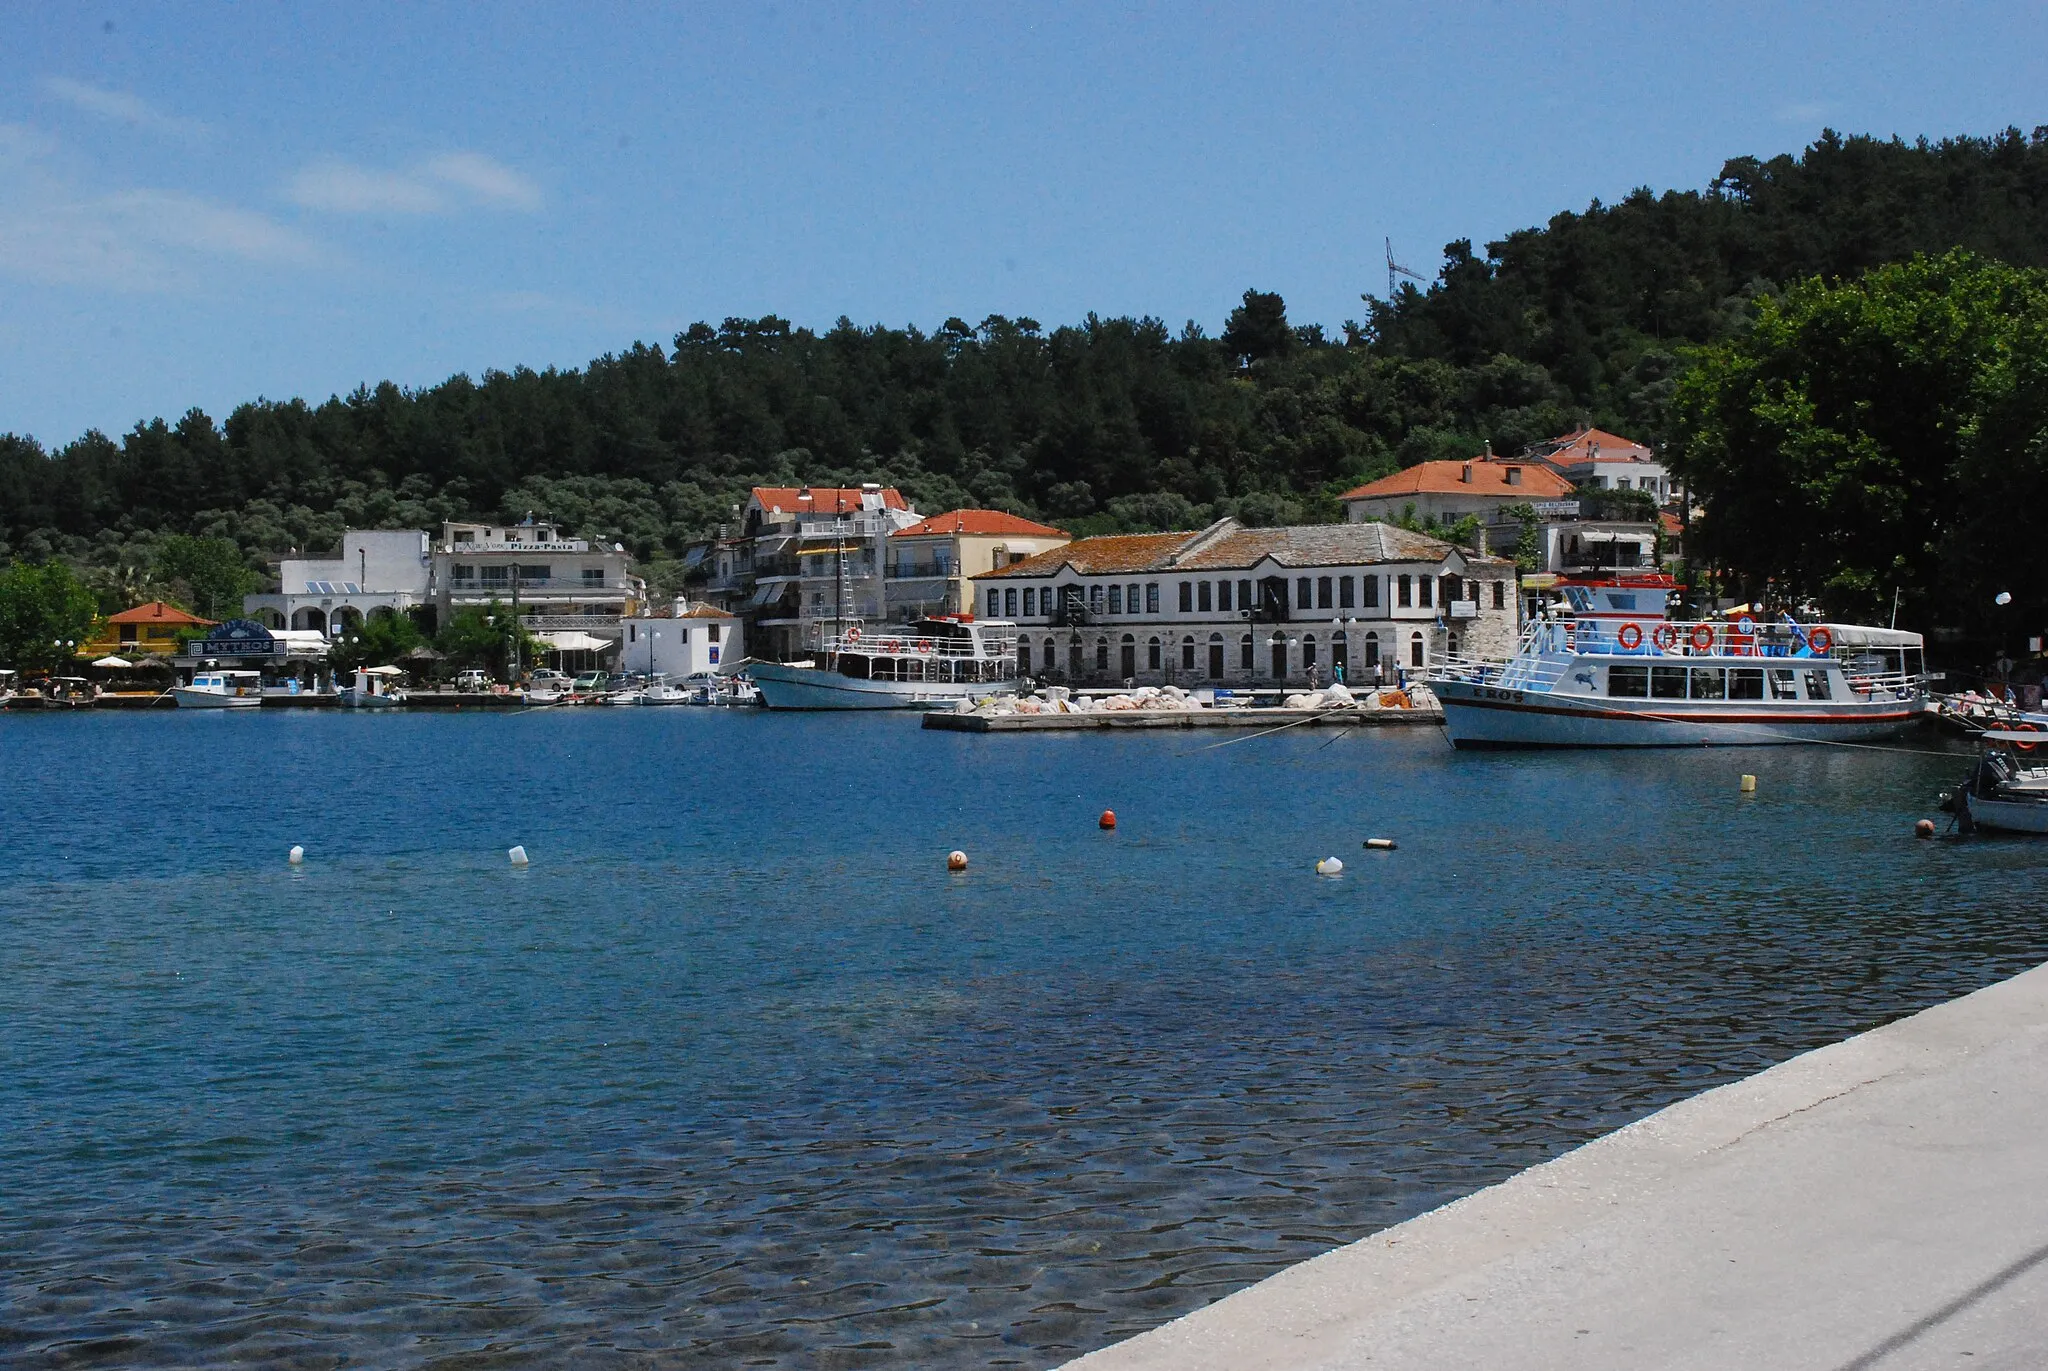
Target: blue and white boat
934, 661
1610, 669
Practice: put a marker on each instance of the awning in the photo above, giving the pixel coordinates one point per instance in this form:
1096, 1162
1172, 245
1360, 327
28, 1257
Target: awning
572, 642
121, 662
764, 594
382, 671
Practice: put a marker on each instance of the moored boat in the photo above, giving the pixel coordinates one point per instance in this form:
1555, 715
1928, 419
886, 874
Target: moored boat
374, 687
2007, 790
1614, 671
221, 690
932, 661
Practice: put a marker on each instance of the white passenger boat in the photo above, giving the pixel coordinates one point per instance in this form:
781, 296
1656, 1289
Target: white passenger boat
221, 690
1611, 670
933, 661
2007, 790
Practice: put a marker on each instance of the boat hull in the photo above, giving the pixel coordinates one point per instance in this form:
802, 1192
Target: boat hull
189, 698
784, 686
1477, 716
2007, 816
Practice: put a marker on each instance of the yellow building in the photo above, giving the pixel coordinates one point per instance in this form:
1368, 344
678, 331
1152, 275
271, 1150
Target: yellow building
930, 561
150, 628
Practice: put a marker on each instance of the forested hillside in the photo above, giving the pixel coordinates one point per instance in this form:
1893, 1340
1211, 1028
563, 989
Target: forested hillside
1107, 423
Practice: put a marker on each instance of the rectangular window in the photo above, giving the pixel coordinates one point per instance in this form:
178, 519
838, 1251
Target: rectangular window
1116, 599
1628, 682
632, 633
1009, 604
1407, 593
1203, 597
1746, 683
1187, 652
1709, 683
1817, 686
1301, 593
995, 607
1152, 598
1131, 598
1095, 599
683, 636
496, 575
1372, 592
1244, 594
1427, 585
713, 631
1347, 593
1187, 599
1667, 682
463, 572
1784, 683
1500, 594
1223, 595
1152, 653
592, 575
1030, 602
1323, 592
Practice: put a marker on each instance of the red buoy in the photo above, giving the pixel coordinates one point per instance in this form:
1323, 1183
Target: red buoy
1108, 818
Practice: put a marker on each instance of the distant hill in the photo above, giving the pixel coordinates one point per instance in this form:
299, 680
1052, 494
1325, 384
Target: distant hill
1105, 424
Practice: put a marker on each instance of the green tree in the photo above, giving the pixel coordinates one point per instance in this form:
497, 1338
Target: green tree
1875, 434
212, 570
46, 614
380, 640
488, 638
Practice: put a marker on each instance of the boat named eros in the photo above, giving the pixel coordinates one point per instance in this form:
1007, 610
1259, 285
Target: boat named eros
932, 661
1609, 669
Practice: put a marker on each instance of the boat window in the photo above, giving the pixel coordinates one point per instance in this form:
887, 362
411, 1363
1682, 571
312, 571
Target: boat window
1621, 601
1784, 683
1223, 595
1116, 599
1709, 683
854, 665
1581, 601
1629, 682
1152, 654
1203, 597
1817, 686
1667, 683
1746, 683
1151, 597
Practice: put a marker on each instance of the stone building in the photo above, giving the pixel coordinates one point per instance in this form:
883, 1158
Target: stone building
1241, 607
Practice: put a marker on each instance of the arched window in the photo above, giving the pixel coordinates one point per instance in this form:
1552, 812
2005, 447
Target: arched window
1245, 659
1102, 654
1023, 656
1372, 649
1215, 656
1152, 654
1308, 651
1127, 658
1187, 653
1415, 650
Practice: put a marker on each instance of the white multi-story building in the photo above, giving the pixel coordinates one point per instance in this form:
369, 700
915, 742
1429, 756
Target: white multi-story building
807, 561
1241, 606
378, 569
1592, 459
569, 592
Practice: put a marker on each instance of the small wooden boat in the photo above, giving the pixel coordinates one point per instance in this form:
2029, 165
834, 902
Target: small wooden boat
221, 690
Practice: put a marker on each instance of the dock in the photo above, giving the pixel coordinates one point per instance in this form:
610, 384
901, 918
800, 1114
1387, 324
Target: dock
1181, 718
1870, 1206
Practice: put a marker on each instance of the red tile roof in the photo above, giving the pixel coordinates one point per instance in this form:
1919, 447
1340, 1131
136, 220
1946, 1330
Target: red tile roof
1095, 556
1228, 546
1476, 477
1590, 445
157, 612
817, 499
979, 521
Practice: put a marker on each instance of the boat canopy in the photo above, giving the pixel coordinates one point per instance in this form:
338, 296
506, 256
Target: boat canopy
1862, 635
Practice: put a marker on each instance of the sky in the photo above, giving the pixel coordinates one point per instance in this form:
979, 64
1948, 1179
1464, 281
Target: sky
204, 204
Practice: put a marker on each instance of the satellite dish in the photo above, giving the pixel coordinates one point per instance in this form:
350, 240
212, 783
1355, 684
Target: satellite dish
2004, 598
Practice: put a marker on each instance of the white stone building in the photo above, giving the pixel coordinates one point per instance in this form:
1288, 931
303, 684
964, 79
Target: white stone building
569, 592
378, 569
1241, 607
681, 640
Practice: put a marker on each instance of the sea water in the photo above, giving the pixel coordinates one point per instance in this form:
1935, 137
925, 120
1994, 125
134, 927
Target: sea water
735, 1073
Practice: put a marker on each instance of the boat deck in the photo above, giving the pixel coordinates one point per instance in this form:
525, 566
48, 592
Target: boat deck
1181, 718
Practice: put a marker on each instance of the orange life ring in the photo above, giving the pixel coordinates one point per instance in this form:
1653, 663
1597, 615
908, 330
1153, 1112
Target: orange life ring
924, 645
1702, 637
1666, 637
2025, 728
853, 634
892, 645
1630, 636
1820, 640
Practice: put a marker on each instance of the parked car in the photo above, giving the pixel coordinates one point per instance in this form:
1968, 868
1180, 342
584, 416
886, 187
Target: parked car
591, 681
474, 681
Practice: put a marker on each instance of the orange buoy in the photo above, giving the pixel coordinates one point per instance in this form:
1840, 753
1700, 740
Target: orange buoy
1924, 829
1108, 819
956, 860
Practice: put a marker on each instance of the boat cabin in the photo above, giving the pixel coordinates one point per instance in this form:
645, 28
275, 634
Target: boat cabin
948, 648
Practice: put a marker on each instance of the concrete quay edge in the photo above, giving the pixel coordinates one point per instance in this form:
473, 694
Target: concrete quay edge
1849, 1208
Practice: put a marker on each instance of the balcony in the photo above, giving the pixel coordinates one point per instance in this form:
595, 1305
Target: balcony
549, 623
921, 571
546, 585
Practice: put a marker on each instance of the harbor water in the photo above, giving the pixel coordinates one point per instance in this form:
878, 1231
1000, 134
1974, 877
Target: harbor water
735, 1073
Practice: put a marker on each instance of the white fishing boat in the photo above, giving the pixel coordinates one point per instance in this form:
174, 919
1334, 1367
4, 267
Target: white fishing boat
2007, 790
660, 691
374, 687
1611, 670
934, 661
221, 690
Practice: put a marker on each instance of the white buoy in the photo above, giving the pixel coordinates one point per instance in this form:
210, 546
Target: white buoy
296, 855
518, 856
1380, 844
1329, 866
956, 861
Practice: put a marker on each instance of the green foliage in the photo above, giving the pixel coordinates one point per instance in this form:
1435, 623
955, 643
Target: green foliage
1529, 542
380, 640
1887, 432
46, 614
490, 638
211, 571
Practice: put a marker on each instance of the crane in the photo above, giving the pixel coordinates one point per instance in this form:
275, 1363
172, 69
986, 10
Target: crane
1395, 270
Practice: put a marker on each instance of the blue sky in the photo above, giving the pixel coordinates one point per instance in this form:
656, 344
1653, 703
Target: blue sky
203, 204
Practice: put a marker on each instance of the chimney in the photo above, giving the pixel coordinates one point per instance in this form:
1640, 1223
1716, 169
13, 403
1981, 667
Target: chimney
1514, 476
1465, 475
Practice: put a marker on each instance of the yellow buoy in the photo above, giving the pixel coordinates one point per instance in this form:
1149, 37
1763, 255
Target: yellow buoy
1749, 785
956, 860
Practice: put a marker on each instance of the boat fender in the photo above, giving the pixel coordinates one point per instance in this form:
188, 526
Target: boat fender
1108, 819
517, 856
1703, 637
1666, 637
1820, 640
956, 860
1380, 844
1329, 866
297, 856
1630, 636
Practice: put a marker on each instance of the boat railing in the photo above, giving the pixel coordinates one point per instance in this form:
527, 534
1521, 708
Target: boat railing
889, 643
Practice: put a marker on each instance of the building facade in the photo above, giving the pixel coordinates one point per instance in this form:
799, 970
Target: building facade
151, 629
931, 560
385, 569
1595, 460
681, 640
1450, 491
570, 594
806, 561
1253, 607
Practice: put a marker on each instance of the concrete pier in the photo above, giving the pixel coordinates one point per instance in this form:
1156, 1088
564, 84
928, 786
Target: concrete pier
1881, 1203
